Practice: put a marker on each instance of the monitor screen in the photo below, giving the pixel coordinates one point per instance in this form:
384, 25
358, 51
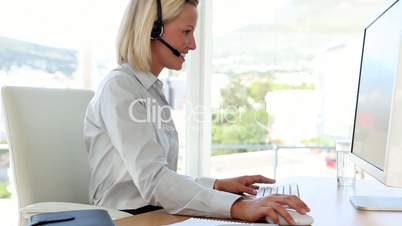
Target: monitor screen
378, 74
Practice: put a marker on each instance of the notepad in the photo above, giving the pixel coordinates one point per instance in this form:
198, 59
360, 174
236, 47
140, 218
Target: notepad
213, 222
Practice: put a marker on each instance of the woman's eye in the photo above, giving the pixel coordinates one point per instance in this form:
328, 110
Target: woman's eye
186, 31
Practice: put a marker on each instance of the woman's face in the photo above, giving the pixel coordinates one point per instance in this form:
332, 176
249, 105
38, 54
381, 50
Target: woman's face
179, 33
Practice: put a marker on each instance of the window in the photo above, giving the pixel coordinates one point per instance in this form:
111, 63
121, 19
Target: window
284, 79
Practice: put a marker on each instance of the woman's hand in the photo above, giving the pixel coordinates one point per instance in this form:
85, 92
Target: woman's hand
242, 184
272, 206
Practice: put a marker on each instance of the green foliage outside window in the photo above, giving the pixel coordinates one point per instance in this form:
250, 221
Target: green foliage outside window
4, 194
248, 127
243, 118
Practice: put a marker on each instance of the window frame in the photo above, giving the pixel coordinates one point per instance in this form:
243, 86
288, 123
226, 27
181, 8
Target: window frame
198, 88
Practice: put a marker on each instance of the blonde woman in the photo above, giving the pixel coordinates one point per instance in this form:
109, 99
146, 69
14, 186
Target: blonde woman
132, 141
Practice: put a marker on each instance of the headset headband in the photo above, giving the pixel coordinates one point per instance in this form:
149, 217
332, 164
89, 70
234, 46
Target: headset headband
157, 29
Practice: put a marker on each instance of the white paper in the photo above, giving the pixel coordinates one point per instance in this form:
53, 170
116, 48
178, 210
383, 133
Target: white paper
211, 222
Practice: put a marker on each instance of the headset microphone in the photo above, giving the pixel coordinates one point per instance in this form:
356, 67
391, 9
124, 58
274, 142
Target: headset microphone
174, 51
157, 30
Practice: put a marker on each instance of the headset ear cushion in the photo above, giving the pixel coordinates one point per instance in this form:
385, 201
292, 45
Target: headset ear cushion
157, 30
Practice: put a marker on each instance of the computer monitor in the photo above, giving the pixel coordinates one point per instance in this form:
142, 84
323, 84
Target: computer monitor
377, 131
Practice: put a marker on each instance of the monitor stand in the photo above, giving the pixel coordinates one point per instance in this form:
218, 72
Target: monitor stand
376, 203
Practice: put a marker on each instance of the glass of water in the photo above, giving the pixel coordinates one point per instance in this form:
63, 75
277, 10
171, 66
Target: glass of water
345, 167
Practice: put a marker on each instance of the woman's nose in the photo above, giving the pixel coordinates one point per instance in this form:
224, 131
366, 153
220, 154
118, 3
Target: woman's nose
191, 44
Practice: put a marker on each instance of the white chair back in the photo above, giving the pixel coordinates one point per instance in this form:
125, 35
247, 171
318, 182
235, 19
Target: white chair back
48, 155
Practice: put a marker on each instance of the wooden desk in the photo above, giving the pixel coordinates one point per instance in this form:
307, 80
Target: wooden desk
329, 205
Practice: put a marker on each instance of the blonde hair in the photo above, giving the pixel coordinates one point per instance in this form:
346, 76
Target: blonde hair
134, 37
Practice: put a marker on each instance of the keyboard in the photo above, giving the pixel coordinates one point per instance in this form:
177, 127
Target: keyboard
283, 189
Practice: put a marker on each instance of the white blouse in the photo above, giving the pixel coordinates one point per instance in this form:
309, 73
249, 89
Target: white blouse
133, 149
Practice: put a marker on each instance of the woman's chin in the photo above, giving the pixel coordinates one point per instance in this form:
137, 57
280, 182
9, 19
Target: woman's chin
176, 67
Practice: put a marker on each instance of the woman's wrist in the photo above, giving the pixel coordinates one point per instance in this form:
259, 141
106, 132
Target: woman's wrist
217, 185
236, 208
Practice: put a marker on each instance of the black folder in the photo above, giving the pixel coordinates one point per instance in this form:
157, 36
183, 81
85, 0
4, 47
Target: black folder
93, 217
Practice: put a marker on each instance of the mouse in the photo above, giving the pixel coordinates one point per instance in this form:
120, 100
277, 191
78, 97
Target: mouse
300, 219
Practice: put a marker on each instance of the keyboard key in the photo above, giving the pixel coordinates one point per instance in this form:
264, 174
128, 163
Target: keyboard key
284, 189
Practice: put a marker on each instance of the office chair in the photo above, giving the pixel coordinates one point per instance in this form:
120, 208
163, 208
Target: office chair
48, 155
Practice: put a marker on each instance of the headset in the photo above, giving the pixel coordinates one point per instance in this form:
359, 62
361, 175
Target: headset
157, 30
